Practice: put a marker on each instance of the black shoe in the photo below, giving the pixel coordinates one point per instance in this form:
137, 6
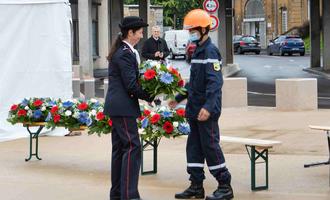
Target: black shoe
195, 191
223, 192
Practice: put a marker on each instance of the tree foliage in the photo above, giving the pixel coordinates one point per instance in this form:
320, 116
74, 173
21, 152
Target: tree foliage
174, 10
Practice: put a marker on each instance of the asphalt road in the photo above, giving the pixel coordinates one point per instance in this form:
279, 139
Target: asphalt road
261, 72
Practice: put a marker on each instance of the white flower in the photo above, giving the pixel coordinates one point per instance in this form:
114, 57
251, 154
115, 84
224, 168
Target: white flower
93, 112
175, 124
162, 108
101, 109
27, 108
93, 100
43, 108
153, 63
68, 113
75, 101
76, 115
158, 66
29, 113
152, 113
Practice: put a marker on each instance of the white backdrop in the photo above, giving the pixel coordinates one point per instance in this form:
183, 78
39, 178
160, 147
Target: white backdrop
35, 55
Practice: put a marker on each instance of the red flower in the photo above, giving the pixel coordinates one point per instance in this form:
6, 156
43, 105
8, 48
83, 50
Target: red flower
168, 127
174, 71
155, 118
181, 112
100, 116
57, 118
149, 74
181, 83
21, 113
146, 112
141, 117
83, 106
13, 107
110, 122
54, 109
37, 103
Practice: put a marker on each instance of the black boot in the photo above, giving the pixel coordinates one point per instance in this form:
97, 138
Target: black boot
195, 191
223, 192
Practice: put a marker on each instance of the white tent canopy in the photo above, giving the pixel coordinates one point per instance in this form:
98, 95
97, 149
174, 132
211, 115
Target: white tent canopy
35, 55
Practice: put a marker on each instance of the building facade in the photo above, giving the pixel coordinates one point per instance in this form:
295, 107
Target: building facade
266, 19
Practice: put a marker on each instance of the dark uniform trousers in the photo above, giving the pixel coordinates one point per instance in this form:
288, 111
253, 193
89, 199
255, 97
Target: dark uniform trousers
121, 104
204, 91
126, 159
203, 144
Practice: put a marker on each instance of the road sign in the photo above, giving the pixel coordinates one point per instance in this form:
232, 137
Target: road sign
211, 5
215, 22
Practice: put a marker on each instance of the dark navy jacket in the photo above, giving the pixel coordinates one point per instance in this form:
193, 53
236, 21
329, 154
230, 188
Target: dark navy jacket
124, 89
204, 87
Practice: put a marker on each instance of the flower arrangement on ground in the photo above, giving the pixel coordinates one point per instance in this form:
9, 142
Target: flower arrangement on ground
158, 78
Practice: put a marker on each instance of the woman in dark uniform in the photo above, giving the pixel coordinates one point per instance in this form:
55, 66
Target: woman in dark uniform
121, 104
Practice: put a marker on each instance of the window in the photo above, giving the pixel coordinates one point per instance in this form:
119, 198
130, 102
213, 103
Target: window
254, 9
95, 30
75, 32
284, 20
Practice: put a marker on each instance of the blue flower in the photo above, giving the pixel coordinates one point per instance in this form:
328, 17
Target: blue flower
83, 117
51, 103
37, 114
166, 78
96, 105
184, 128
89, 121
25, 102
145, 122
49, 117
67, 104
167, 114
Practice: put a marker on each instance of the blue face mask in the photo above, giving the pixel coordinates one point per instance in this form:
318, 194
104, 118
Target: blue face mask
194, 37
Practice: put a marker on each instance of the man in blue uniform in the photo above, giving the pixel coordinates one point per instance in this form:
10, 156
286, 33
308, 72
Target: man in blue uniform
121, 104
203, 110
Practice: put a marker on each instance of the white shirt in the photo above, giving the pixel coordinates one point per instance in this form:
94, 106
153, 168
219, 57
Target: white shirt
134, 51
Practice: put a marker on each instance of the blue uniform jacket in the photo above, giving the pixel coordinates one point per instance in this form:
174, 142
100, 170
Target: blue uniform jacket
204, 87
124, 89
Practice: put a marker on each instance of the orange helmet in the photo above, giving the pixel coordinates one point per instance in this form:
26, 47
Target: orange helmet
197, 18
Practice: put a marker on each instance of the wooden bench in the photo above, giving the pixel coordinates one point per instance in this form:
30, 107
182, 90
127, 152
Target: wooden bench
256, 149
326, 129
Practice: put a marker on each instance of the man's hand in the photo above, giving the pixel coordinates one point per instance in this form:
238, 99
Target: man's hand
157, 54
203, 115
172, 104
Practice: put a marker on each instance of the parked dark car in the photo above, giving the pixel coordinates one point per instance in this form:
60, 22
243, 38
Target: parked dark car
286, 44
190, 49
246, 43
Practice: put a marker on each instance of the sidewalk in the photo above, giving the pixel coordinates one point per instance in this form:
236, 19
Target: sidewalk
77, 168
318, 71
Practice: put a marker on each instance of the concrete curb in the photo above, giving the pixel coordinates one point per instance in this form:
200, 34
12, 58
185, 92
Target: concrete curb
318, 72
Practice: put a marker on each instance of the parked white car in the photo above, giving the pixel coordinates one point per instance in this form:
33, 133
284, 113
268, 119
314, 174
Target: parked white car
176, 41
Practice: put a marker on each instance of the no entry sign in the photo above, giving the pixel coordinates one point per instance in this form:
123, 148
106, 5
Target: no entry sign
215, 22
211, 5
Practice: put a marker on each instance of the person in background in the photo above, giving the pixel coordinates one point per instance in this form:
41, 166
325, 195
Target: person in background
203, 111
155, 48
122, 106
